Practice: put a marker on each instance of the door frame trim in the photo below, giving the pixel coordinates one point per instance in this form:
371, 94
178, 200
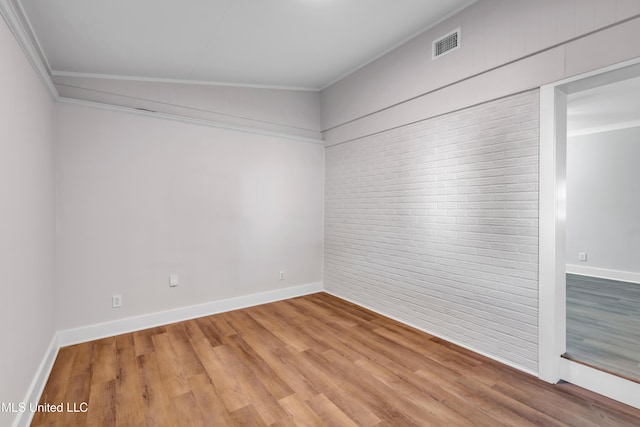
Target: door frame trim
552, 229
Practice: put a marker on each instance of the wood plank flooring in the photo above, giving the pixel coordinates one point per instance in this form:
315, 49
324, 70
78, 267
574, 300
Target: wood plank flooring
603, 324
315, 361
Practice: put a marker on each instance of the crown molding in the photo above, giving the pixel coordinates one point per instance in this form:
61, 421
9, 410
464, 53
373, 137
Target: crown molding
13, 15
18, 23
57, 73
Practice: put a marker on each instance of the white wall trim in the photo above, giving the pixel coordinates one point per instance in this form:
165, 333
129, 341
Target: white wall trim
613, 387
35, 41
552, 216
23, 419
131, 324
57, 73
183, 119
13, 19
604, 128
475, 350
604, 273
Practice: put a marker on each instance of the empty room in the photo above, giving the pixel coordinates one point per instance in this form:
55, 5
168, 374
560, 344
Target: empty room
320, 212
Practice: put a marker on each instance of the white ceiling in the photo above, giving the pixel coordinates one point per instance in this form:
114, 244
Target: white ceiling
611, 105
280, 43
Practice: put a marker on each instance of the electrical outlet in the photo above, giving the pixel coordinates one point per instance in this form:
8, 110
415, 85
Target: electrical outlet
281, 274
116, 301
173, 280
582, 256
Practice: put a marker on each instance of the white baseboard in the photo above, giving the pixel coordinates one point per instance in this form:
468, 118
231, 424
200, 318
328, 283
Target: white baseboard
23, 419
604, 273
107, 329
611, 386
131, 324
475, 350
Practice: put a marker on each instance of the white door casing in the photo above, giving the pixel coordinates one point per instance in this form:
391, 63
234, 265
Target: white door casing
552, 264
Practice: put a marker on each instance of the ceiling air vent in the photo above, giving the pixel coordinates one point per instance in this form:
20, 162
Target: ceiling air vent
445, 44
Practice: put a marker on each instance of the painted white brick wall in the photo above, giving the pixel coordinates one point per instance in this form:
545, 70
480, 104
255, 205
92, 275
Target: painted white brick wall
436, 224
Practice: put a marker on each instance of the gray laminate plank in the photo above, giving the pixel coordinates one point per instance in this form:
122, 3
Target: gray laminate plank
603, 324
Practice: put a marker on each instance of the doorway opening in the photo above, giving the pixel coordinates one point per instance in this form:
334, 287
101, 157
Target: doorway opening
564, 124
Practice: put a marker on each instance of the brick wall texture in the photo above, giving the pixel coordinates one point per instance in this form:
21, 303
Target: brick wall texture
436, 224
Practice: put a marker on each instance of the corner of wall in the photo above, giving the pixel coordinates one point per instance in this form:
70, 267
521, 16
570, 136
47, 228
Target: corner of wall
32, 397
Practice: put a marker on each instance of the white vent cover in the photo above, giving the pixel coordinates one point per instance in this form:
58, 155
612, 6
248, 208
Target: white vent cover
445, 44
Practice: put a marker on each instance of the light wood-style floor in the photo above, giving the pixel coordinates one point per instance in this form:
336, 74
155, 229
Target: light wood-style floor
603, 324
314, 360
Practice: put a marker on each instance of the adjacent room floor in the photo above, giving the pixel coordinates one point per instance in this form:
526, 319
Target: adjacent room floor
314, 360
603, 324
